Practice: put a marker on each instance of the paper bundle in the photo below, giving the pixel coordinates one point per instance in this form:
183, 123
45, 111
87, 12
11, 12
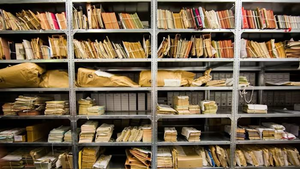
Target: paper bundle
253, 134
89, 156
170, 134
26, 105
57, 135
203, 79
255, 108
7, 136
147, 133
139, 158
164, 157
8, 109
240, 133
88, 132
186, 157
68, 136
181, 104
208, 107
84, 104
194, 109
57, 108
104, 133
46, 162
165, 109
266, 133
293, 49
19, 158
130, 134
191, 134
102, 162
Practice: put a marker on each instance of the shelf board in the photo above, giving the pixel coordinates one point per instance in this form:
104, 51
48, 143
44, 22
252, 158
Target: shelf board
36, 117
273, 88
112, 30
111, 1
270, 30
191, 88
32, 32
263, 167
271, 114
118, 115
34, 89
296, 141
195, 60
111, 60
113, 89
36, 144
115, 144
209, 1
270, 60
193, 116
193, 30
30, 1
273, 1
36, 61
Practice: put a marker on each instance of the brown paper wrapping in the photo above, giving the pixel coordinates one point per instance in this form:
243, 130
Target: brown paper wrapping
55, 79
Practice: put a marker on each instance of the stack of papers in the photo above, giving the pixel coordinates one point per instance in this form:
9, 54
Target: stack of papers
165, 109
46, 162
147, 133
88, 132
130, 134
164, 157
139, 158
84, 104
170, 134
191, 134
8, 109
19, 158
57, 108
104, 133
7, 136
24, 103
208, 107
253, 134
57, 135
255, 108
102, 162
89, 156
194, 109
68, 136
240, 133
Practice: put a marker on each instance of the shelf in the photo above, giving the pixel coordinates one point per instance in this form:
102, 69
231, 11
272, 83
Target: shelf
195, 60
209, 1
110, 60
118, 115
270, 30
36, 117
193, 30
191, 88
32, 31
270, 60
263, 167
296, 141
30, 1
115, 144
113, 89
273, 88
35, 144
111, 1
273, 1
271, 114
36, 61
113, 30
34, 89
220, 114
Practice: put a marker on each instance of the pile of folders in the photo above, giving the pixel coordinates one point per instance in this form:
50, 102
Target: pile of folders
27, 20
195, 18
197, 46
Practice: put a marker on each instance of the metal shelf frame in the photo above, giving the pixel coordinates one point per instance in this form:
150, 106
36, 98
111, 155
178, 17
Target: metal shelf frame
233, 115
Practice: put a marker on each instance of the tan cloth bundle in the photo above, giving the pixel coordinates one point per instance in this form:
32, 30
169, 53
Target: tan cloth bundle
21, 75
94, 78
167, 78
55, 79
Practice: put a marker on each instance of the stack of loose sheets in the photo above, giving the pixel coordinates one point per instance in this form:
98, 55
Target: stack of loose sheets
57, 135
57, 108
88, 132
255, 108
68, 136
170, 134
240, 133
19, 158
164, 157
138, 158
208, 107
7, 136
102, 162
104, 133
130, 134
165, 109
191, 134
8, 109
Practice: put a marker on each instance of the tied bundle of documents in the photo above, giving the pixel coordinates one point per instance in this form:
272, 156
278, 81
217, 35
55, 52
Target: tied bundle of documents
270, 49
19, 158
57, 134
147, 133
195, 18
8, 109
191, 134
181, 104
130, 134
288, 22
27, 20
255, 108
165, 109
258, 19
9, 136
84, 104
89, 156
26, 105
139, 158
88, 130
203, 79
243, 81
170, 134
56, 108
104, 133
240, 133
131, 21
198, 46
164, 157
102, 162
194, 109
292, 49
252, 134
58, 46
110, 50
208, 107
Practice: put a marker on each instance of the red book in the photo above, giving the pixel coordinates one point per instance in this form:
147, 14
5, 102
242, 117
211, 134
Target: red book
245, 22
54, 21
199, 18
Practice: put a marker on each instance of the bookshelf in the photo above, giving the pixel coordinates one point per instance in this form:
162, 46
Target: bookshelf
232, 65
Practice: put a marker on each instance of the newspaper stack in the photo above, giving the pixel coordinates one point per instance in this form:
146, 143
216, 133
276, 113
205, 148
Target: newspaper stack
165, 109
191, 134
164, 157
89, 156
130, 134
57, 108
102, 162
88, 132
170, 134
57, 135
7, 136
104, 133
8, 109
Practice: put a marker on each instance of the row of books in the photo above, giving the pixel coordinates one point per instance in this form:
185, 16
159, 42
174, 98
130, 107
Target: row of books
285, 22
195, 18
110, 50
270, 49
35, 48
96, 18
197, 46
27, 20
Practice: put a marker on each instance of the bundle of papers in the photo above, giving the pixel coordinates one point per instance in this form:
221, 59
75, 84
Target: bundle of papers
170, 134
104, 133
208, 107
56, 108
240, 133
29, 105
203, 79
165, 109
186, 157
288, 22
147, 133
8, 109
194, 109
292, 49
45, 162
259, 19
191, 134
57, 135
8, 136
19, 158
88, 132
89, 156
164, 157
286, 83
84, 104
138, 158
255, 108
68, 136
102, 162
130, 21
130, 134
181, 104
253, 134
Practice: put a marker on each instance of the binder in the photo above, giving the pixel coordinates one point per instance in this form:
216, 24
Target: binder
102, 99
125, 101
132, 102
117, 102
149, 101
141, 101
110, 102
170, 98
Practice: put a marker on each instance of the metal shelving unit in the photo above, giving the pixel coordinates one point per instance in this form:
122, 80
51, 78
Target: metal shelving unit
234, 115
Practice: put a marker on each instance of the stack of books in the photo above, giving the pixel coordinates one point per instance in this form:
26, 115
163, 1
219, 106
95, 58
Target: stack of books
170, 134
57, 108
258, 19
89, 156
138, 158
288, 22
27, 20
195, 18
198, 46
191, 134
110, 50
104, 133
88, 130
8, 109
292, 49
255, 108
164, 157
130, 134
56, 135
